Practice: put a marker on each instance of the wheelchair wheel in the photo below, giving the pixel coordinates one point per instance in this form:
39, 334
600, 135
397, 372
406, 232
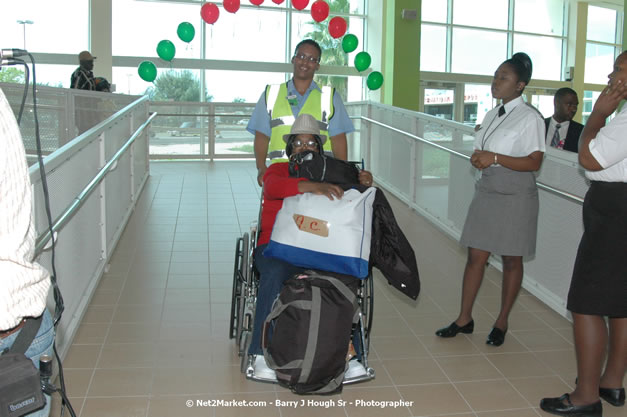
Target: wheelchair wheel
244, 273
367, 306
237, 290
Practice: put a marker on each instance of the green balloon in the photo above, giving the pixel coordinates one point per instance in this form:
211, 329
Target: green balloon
362, 61
349, 43
186, 32
147, 71
166, 50
374, 80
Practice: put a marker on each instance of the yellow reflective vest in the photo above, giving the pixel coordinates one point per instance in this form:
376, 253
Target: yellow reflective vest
319, 104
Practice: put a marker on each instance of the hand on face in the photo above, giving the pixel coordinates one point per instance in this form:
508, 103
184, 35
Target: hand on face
616, 89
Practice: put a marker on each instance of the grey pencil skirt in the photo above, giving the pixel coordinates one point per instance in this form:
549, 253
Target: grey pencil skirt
503, 216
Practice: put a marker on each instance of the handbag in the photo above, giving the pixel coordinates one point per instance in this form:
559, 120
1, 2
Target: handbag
312, 231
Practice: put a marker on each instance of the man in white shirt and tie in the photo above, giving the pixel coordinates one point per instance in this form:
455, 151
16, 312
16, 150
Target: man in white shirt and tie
561, 131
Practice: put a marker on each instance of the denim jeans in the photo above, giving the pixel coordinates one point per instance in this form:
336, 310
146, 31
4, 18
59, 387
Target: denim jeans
272, 274
41, 345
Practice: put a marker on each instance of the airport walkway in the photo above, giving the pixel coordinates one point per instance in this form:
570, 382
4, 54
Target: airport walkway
155, 335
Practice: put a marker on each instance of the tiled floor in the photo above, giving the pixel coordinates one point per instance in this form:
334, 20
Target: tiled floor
155, 334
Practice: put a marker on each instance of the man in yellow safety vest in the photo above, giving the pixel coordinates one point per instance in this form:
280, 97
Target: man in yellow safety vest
280, 104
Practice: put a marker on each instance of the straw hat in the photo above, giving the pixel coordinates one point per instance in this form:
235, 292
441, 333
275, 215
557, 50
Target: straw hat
305, 124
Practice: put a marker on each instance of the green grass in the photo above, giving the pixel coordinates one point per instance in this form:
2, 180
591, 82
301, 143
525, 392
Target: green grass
243, 148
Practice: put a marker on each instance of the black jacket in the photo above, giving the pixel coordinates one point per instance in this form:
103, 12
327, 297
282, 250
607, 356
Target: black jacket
571, 143
390, 251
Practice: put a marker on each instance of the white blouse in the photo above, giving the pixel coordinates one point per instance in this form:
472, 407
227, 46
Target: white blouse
609, 148
519, 132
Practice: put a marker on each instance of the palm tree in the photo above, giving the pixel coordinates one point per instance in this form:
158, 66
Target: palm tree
332, 52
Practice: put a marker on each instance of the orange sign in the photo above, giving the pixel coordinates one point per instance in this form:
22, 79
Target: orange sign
312, 225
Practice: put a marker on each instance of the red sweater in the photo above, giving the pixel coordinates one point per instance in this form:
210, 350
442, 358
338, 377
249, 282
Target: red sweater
277, 184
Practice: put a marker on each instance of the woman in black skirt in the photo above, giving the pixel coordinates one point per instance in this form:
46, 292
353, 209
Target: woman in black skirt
599, 284
503, 216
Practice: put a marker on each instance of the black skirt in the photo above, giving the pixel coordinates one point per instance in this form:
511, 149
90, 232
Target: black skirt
599, 283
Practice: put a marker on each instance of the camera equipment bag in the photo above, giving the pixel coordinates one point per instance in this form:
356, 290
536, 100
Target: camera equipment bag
20, 386
311, 323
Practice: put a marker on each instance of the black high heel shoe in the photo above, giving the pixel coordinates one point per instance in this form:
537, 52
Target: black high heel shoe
453, 329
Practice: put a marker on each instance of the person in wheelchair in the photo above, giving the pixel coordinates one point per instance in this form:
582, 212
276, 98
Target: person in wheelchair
277, 185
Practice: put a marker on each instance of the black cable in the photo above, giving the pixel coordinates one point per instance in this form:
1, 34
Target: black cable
13, 61
58, 298
26, 80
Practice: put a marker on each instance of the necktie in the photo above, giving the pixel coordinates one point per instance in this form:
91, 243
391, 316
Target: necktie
501, 111
555, 141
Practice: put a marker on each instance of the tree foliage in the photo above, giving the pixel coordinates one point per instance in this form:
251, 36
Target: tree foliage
11, 75
177, 86
332, 52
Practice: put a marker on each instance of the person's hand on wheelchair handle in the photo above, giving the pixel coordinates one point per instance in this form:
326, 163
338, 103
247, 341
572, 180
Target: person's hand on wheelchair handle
321, 188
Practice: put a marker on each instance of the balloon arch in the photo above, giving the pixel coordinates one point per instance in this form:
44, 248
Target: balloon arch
320, 10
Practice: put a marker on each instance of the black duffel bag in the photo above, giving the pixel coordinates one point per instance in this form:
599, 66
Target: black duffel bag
311, 323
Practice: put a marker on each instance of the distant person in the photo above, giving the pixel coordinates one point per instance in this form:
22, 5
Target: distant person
598, 288
503, 216
280, 104
83, 77
562, 132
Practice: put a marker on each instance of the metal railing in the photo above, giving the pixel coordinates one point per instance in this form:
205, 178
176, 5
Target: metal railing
64, 218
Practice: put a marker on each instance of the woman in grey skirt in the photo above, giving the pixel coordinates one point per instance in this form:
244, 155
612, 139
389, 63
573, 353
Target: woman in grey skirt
599, 284
503, 216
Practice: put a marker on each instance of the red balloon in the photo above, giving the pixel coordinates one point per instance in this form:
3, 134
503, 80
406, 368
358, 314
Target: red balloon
319, 10
231, 6
209, 13
277, 1
337, 27
300, 4
256, 2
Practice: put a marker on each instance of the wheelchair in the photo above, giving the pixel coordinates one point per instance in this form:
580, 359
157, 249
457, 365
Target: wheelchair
243, 304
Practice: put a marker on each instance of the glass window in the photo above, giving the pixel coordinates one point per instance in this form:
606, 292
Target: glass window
477, 102
248, 35
440, 102
481, 13
539, 16
601, 24
544, 103
599, 63
131, 37
46, 74
48, 26
433, 48
434, 11
545, 54
589, 98
478, 51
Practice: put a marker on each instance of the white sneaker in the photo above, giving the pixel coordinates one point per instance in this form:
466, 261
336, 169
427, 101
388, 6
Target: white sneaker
262, 371
355, 370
